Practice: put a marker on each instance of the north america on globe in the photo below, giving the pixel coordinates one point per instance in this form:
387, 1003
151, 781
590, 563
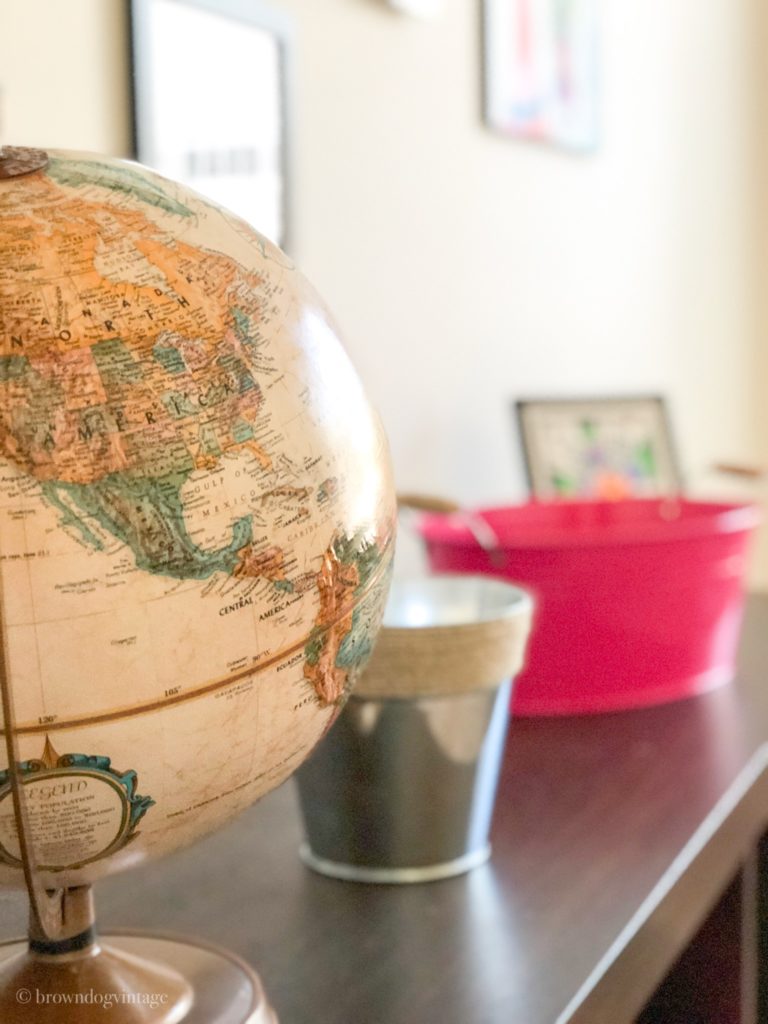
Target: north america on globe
196, 510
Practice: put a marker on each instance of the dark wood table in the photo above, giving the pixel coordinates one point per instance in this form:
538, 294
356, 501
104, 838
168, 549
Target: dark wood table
621, 842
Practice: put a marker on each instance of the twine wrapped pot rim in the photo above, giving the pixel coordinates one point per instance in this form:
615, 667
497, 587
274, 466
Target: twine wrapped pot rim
446, 635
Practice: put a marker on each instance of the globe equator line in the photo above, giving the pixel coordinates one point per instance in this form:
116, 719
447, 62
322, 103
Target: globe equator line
220, 684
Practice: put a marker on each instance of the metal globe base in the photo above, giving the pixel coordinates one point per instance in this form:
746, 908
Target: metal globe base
130, 978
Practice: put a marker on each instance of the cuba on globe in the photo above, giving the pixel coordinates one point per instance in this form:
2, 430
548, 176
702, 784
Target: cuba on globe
196, 515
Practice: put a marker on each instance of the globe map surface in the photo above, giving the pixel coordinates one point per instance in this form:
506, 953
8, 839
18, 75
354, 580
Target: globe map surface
196, 514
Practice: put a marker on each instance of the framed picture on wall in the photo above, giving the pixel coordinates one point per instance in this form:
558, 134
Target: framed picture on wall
211, 102
541, 70
603, 448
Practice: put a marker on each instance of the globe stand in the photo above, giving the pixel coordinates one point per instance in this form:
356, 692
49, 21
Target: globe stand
65, 972
126, 978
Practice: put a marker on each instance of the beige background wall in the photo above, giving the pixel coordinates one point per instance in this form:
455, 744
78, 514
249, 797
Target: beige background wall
63, 68
467, 270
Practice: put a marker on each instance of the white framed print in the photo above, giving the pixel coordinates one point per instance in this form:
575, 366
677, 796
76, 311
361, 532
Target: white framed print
211, 99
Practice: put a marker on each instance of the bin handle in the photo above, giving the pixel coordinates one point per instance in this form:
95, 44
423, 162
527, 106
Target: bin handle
480, 529
427, 503
743, 470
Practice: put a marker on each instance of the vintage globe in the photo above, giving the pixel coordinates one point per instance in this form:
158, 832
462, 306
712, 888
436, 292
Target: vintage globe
196, 515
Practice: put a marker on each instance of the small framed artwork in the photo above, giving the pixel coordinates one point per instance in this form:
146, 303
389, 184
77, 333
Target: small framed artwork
603, 449
541, 71
211, 98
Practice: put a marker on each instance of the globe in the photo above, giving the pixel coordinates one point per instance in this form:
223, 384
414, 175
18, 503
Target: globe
196, 516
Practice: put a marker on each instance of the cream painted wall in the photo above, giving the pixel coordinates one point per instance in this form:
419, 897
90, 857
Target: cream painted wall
63, 74
486, 269
467, 270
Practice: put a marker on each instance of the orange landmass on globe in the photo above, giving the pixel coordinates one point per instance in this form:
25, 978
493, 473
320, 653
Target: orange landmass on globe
337, 582
124, 335
268, 563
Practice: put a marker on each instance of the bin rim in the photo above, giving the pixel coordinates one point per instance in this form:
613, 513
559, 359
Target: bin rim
679, 519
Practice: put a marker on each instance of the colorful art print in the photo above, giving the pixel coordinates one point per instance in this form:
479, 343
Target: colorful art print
602, 449
541, 70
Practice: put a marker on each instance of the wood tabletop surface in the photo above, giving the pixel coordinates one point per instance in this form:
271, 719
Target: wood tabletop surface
614, 835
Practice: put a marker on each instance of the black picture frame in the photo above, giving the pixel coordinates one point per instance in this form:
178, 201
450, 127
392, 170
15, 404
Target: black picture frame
598, 447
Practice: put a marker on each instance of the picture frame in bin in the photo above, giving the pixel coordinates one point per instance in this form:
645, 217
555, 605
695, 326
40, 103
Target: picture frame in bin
598, 448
